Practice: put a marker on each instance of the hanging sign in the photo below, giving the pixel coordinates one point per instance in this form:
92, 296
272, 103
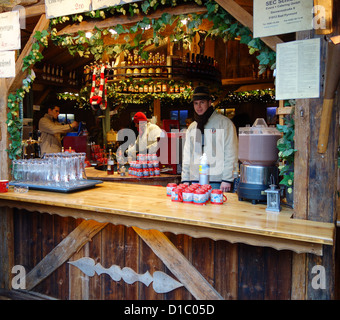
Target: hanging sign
58, 8
298, 70
272, 17
7, 64
99, 4
10, 31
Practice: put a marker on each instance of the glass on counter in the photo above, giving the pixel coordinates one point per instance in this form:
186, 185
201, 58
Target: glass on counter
55, 169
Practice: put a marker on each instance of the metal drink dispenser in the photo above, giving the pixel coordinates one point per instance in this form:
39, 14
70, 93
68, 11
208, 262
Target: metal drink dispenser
258, 155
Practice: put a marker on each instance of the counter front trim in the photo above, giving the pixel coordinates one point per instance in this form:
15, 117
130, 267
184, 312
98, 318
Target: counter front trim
148, 207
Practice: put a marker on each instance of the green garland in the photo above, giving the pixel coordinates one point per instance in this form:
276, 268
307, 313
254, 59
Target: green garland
14, 123
224, 26
234, 98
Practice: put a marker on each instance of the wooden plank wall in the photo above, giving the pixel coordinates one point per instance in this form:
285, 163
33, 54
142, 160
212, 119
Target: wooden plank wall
236, 271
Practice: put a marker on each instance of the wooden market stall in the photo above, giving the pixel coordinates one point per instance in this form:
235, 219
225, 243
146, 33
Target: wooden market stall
234, 251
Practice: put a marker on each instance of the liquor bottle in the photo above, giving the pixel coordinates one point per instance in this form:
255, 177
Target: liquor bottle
48, 76
110, 163
151, 69
129, 63
44, 72
135, 65
61, 74
144, 70
164, 69
187, 64
192, 64
158, 65
57, 78
52, 74
198, 64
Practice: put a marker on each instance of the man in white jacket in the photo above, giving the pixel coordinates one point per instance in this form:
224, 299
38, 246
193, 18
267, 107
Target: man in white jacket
147, 140
213, 134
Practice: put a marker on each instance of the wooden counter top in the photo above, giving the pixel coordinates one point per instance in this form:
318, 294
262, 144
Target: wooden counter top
148, 207
161, 180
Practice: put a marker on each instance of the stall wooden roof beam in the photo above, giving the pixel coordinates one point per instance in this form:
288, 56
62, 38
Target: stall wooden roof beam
246, 19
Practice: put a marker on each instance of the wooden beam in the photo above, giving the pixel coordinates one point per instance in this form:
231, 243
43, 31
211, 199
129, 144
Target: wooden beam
35, 10
177, 263
246, 19
4, 160
16, 82
124, 20
63, 251
6, 247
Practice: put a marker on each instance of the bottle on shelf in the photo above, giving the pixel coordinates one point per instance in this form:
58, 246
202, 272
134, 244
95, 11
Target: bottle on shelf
52, 74
110, 163
44, 72
48, 75
192, 64
151, 69
135, 65
61, 74
144, 70
158, 65
129, 64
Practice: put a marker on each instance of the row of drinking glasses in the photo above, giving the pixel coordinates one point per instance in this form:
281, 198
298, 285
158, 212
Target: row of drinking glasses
53, 169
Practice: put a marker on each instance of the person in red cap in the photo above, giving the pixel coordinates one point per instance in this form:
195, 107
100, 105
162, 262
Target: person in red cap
149, 133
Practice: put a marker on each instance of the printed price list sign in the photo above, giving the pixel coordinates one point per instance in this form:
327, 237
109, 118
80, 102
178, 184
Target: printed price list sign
10, 31
58, 8
298, 70
7, 64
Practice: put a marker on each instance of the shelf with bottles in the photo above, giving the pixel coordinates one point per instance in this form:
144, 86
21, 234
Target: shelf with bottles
55, 75
140, 86
158, 66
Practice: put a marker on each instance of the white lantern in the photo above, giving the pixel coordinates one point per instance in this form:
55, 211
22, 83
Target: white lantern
273, 199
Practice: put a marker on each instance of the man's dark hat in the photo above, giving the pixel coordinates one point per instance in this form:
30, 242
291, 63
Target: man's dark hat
201, 93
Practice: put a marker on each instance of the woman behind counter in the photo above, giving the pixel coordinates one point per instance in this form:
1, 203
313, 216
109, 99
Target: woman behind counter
214, 134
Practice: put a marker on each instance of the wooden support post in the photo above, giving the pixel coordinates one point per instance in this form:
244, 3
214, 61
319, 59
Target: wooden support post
199, 287
6, 247
315, 187
63, 251
4, 160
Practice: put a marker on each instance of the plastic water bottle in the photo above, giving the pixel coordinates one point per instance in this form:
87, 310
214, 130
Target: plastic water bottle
204, 170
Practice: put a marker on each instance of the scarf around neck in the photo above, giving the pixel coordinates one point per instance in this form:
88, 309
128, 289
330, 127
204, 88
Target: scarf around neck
203, 119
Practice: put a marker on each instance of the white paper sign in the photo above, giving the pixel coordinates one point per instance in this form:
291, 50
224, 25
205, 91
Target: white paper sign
298, 70
59, 8
7, 64
99, 4
10, 31
272, 17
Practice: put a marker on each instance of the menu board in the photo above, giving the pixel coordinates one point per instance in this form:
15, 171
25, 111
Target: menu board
7, 64
10, 31
272, 17
298, 70
58, 8
98, 4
